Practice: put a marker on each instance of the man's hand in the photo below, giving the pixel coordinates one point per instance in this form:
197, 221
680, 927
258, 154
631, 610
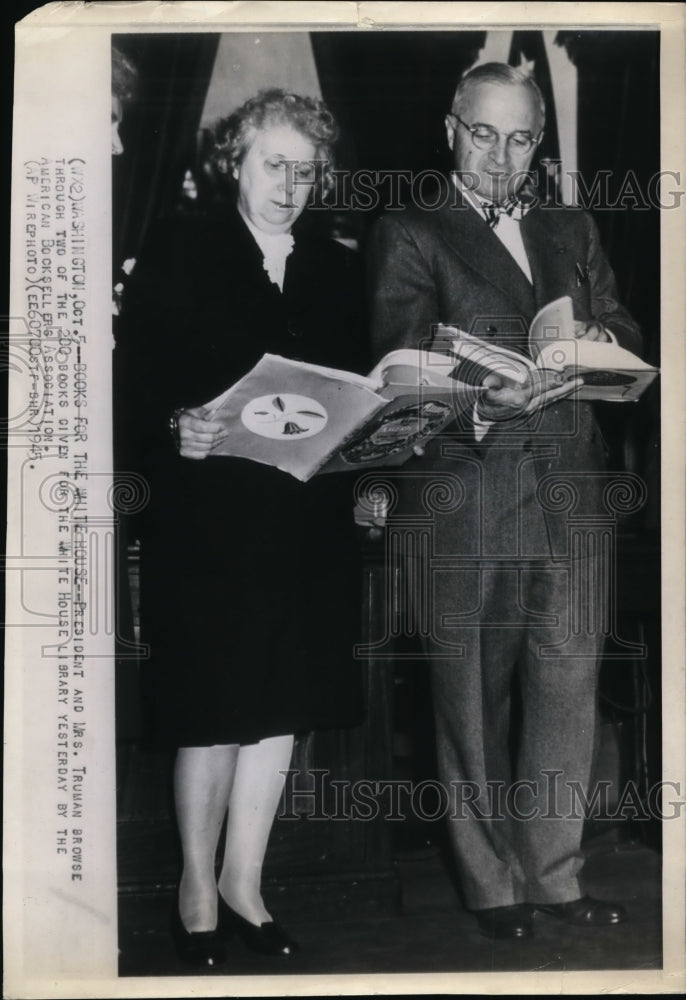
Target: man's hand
501, 401
589, 331
197, 433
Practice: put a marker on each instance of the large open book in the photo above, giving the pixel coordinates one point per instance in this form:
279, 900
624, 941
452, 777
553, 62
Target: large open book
609, 372
306, 419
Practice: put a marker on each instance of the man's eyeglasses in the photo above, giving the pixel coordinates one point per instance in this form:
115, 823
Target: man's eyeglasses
486, 137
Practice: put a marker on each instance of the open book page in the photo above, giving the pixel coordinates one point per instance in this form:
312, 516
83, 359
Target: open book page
475, 359
585, 354
287, 368
555, 321
609, 372
416, 368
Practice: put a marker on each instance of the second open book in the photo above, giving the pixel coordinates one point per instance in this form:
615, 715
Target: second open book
306, 419
609, 372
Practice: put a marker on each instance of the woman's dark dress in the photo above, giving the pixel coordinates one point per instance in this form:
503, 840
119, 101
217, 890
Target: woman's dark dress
250, 580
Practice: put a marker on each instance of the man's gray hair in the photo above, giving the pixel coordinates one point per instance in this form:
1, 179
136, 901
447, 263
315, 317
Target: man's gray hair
494, 72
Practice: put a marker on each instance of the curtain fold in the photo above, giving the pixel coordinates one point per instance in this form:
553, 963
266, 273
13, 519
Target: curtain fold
159, 131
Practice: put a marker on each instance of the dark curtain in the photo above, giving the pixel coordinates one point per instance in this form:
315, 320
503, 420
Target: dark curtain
390, 93
159, 135
159, 132
619, 131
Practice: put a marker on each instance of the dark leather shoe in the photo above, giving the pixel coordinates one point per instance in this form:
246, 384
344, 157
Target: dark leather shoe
268, 938
203, 949
585, 912
503, 922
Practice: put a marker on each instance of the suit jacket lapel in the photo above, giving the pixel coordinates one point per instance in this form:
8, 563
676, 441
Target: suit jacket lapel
476, 244
550, 257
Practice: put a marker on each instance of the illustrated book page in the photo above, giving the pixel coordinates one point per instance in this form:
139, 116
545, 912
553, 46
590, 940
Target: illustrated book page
306, 419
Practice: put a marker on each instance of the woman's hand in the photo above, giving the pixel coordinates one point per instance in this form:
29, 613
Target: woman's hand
198, 434
503, 402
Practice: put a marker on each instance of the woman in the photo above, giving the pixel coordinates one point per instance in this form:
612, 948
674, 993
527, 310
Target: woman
249, 586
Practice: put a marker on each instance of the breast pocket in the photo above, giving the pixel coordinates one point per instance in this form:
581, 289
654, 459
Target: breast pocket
581, 301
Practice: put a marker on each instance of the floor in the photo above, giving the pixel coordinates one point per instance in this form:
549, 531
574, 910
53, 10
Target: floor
428, 930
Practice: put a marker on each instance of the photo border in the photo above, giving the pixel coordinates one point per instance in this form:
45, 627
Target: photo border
62, 923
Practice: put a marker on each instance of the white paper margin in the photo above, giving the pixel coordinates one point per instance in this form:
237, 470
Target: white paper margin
61, 111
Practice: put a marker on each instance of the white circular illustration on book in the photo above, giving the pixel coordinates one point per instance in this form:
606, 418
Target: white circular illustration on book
284, 416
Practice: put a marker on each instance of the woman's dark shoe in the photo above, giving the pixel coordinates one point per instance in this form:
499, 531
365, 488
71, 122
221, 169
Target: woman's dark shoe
268, 938
204, 949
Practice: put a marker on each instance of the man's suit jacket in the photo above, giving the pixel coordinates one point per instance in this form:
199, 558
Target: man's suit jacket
447, 266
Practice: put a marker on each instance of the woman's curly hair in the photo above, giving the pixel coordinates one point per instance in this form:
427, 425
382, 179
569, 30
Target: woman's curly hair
307, 115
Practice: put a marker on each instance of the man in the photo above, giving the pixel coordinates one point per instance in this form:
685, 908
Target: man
506, 599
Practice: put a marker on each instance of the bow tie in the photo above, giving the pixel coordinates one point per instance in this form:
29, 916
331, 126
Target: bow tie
514, 208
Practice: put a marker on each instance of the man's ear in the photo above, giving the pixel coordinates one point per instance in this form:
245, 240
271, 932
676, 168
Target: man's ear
450, 130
